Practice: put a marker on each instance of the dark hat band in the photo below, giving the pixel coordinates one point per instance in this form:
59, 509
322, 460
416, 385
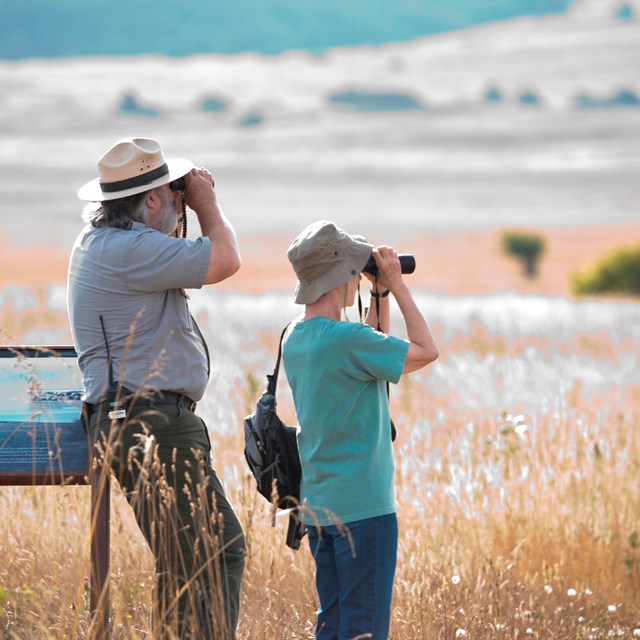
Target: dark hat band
130, 183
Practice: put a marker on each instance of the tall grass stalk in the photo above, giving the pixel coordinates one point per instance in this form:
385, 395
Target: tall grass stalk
518, 475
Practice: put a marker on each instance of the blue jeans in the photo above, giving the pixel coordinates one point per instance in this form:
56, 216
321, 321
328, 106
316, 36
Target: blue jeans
355, 567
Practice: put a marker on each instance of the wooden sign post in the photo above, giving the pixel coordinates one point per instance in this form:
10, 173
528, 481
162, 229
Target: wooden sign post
42, 442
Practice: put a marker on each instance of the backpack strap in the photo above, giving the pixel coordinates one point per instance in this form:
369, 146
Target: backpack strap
273, 378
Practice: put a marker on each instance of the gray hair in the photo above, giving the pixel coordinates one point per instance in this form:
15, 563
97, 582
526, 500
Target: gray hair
117, 213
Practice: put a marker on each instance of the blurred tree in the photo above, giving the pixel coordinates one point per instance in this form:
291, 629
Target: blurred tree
616, 272
251, 119
622, 98
374, 101
625, 12
131, 105
214, 104
527, 246
529, 98
493, 94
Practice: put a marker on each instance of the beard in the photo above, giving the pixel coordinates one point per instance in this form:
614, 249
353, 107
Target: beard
168, 221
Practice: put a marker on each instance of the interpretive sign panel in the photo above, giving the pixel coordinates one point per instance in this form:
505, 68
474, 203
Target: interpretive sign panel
42, 440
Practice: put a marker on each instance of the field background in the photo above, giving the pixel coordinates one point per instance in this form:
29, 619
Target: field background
518, 450
440, 181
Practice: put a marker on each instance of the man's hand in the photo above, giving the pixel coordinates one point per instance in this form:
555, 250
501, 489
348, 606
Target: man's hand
199, 189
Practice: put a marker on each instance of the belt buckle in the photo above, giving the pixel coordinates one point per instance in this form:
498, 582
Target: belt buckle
187, 403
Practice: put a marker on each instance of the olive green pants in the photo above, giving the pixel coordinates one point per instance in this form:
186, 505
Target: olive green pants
160, 455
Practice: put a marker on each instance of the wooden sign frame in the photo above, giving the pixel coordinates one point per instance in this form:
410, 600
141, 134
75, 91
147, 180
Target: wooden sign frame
42, 442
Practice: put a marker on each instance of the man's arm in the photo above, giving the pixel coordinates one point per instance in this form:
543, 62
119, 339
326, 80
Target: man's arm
225, 255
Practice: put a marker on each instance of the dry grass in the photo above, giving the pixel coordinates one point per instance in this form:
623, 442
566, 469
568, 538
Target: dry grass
455, 261
518, 471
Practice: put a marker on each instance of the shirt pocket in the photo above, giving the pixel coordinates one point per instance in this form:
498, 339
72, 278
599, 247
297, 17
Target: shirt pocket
182, 301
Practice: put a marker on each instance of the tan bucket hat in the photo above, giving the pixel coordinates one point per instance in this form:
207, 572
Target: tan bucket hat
324, 257
132, 165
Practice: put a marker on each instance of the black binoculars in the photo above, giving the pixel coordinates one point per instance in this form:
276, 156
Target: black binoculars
407, 264
178, 184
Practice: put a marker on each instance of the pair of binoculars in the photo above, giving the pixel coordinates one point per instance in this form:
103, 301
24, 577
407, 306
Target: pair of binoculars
178, 185
407, 264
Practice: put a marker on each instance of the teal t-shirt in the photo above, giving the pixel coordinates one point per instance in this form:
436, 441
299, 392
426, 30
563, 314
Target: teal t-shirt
338, 372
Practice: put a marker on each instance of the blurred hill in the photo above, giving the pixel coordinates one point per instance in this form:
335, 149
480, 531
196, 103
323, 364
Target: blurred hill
533, 121
69, 28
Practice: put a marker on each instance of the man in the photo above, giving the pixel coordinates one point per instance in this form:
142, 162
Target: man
145, 364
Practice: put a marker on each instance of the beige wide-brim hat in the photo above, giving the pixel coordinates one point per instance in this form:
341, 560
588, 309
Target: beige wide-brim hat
325, 257
130, 166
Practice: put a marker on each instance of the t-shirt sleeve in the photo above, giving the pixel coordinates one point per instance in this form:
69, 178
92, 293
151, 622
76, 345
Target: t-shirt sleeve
156, 262
374, 355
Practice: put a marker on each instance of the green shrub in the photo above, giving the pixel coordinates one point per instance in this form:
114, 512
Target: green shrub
527, 246
616, 272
